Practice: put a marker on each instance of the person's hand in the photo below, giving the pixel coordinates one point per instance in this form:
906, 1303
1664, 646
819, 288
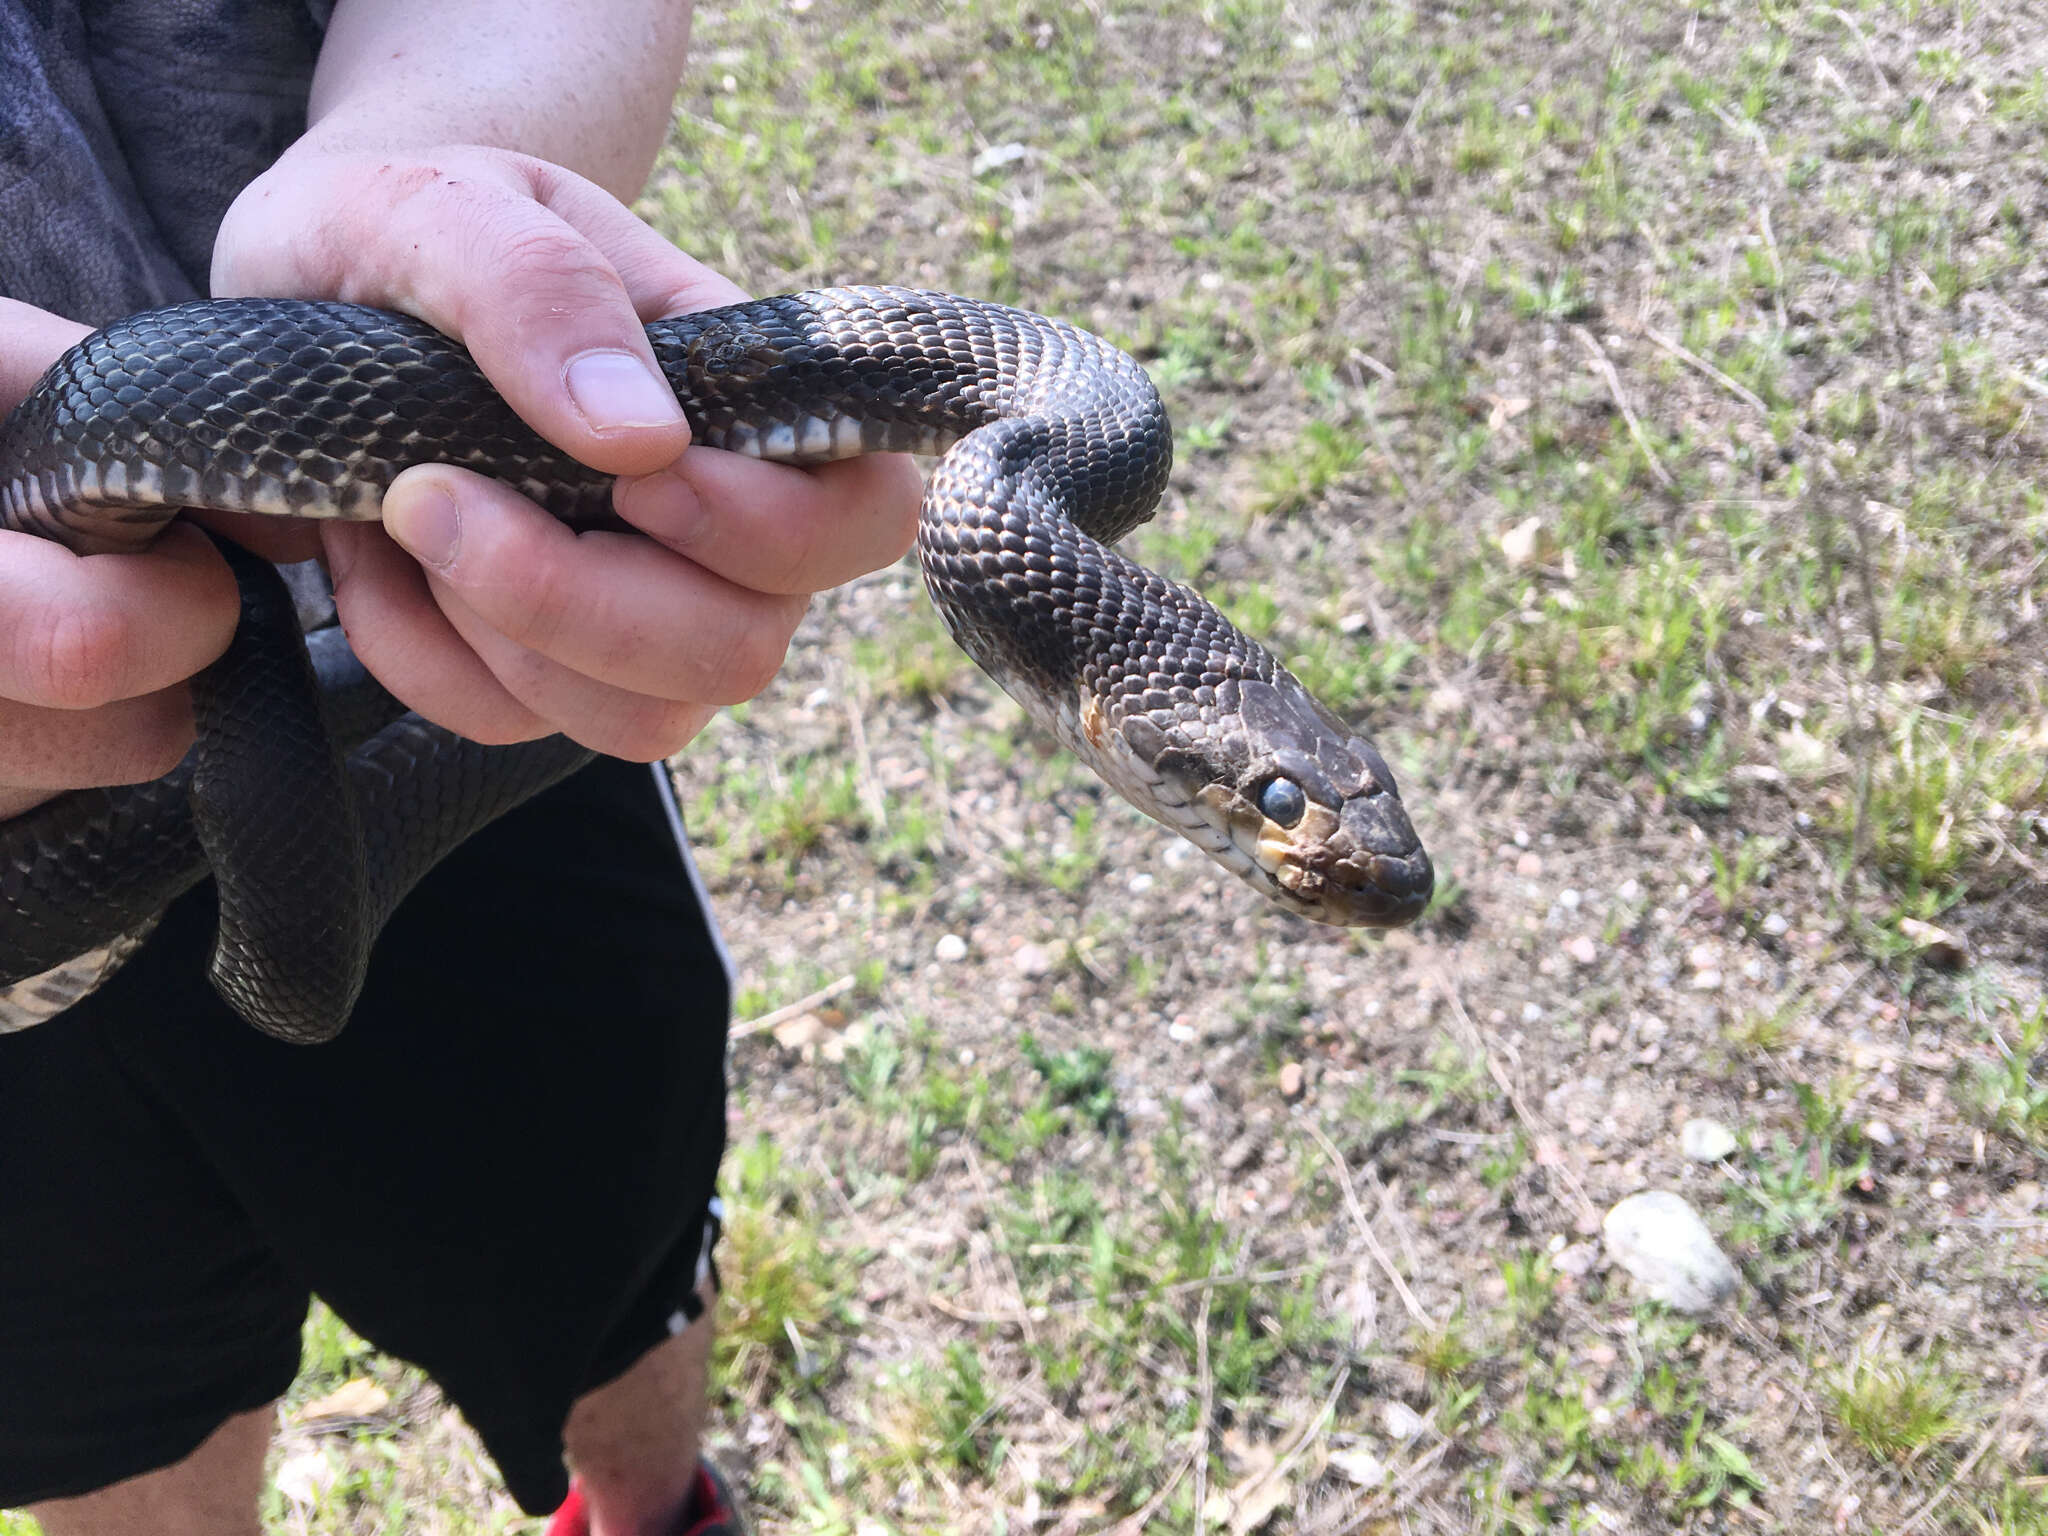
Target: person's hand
493, 619
94, 649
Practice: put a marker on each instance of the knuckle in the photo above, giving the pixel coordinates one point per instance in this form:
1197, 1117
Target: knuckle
804, 548
503, 727
654, 732
537, 602
73, 657
752, 655
157, 749
560, 271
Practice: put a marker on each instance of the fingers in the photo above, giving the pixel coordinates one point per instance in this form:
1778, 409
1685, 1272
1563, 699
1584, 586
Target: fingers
606, 605
30, 340
94, 651
79, 632
398, 631
773, 527
639, 727
621, 644
127, 742
509, 626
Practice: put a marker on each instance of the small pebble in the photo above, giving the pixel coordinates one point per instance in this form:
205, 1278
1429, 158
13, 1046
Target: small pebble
1358, 1465
1031, 960
1576, 1259
1705, 1141
1519, 542
804, 1029
1776, 925
1880, 1132
1290, 1080
950, 948
1662, 1242
1583, 950
1401, 1421
1939, 945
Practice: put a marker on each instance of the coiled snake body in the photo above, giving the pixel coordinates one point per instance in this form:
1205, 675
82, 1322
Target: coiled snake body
316, 803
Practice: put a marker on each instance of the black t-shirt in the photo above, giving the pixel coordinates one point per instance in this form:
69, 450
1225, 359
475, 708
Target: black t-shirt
126, 129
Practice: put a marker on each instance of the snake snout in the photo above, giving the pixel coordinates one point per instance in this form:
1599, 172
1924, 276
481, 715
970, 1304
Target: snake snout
1373, 870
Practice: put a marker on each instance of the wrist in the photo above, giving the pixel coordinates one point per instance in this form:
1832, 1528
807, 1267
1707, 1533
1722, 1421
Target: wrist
586, 88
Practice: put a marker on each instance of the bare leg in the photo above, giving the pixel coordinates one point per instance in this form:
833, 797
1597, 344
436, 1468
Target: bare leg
212, 1492
633, 1441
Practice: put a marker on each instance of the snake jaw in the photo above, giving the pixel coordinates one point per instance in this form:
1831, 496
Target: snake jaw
1320, 869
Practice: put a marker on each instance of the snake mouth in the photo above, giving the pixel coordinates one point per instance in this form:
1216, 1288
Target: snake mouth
1391, 890
1363, 890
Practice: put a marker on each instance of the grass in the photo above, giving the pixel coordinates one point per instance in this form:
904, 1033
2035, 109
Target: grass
780, 1313
1898, 1410
2009, 1092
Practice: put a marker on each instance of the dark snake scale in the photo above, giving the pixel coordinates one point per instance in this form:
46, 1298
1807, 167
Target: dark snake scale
315, 801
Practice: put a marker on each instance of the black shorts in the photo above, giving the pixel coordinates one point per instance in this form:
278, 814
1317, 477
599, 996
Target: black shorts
502, 1170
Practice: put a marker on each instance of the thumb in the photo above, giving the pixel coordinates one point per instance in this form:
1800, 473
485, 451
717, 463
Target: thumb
463, 242
30, 340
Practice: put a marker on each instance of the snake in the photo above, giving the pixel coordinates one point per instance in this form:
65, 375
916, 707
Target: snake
315, 801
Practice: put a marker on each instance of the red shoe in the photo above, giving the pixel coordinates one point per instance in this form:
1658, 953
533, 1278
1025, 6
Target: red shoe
710, 1512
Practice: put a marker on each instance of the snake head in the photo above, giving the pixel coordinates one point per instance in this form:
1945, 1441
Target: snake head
1284, 795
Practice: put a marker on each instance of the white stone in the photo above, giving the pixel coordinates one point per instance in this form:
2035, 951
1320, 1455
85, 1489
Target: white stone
1662, 1242
1576, 1259
951, 947
1401, 1421
1705, 1141
1356, 1464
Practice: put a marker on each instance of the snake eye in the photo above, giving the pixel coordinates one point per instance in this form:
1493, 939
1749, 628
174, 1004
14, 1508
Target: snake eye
1283, 802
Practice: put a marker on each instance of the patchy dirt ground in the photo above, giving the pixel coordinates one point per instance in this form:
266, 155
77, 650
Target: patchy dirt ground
1631, 415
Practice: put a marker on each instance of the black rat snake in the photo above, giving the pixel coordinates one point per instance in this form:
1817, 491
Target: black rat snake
316, 805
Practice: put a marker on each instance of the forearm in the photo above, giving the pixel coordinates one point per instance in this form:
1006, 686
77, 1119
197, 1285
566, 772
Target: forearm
584, 86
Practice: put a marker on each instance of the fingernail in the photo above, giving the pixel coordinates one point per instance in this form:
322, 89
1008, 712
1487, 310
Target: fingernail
427, 523
615, 390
